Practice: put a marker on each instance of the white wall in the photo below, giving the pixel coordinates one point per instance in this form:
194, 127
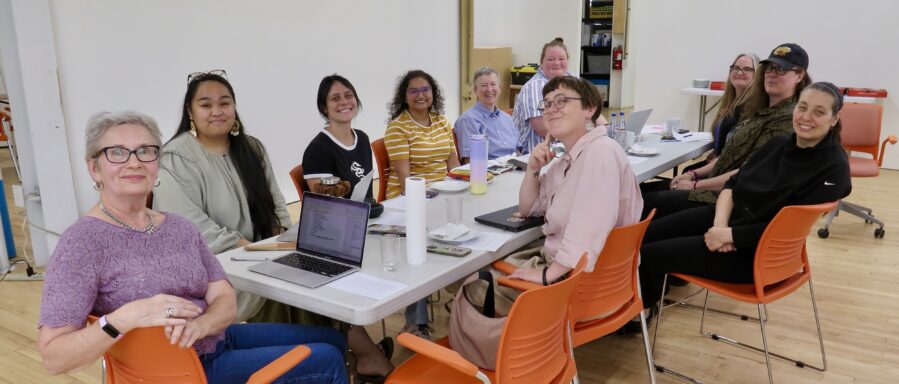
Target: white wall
850, 43
527, 25
116, 55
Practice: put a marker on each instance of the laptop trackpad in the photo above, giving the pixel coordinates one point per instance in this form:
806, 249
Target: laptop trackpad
293, 275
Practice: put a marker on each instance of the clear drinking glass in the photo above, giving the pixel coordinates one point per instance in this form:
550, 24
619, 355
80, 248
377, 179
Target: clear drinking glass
454, 210
390, 252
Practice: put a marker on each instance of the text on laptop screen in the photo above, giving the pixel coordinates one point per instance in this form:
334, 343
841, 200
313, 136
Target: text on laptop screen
333, 227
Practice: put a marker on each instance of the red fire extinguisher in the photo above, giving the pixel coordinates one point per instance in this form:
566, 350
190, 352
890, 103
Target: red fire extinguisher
617, 57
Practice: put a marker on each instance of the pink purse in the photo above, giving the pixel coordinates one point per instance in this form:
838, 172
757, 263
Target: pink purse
474, 333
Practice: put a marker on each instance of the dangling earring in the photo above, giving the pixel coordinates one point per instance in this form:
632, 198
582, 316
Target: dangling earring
157, 183
589, 125
193, 129
97, 186
235, 130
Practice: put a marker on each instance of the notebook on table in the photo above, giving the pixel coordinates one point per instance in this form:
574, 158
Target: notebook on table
330, 242
505, 219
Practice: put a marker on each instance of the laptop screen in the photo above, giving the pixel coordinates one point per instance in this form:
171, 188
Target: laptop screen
333, 227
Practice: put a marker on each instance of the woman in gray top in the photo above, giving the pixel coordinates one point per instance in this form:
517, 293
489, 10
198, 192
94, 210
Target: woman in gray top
218, 177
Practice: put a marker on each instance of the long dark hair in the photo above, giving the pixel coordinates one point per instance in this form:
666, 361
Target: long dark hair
398, 104
247, 156
325, 86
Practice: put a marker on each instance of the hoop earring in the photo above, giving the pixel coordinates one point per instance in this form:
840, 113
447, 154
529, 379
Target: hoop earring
235, 130
97, 186
157, 183
193, 129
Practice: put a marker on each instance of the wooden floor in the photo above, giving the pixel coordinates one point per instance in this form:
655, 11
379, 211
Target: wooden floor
856, 279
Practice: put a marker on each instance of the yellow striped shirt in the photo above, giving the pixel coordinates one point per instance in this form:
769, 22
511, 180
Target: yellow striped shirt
426, 148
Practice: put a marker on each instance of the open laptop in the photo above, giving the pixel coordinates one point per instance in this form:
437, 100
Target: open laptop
637, 120
506, 220
330, 242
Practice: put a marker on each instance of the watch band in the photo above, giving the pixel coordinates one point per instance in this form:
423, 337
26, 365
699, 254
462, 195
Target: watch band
109, 329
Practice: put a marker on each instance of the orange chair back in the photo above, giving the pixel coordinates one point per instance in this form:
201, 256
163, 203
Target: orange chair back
456, 144
383, 160
861, 128
509, 111
781, 254
611, 286
296, 174
144, 355
534, 346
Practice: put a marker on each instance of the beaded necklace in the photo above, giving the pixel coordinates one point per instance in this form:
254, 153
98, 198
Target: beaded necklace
149, 229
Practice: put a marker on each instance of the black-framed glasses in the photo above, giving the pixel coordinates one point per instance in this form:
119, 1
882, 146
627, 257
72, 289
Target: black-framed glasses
734, 68
217, 72
778, 70
559, 101
119, 154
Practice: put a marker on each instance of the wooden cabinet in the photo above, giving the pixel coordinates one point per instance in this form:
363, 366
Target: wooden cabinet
500, 59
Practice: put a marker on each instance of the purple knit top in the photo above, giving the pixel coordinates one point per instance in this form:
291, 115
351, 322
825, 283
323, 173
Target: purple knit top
97, 267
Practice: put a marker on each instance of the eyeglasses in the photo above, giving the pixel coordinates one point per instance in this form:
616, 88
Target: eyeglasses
196, 75
778, 70
119, 154
418, 91
559, 101
734, 68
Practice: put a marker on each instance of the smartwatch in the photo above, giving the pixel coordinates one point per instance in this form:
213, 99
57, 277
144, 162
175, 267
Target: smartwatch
109, 329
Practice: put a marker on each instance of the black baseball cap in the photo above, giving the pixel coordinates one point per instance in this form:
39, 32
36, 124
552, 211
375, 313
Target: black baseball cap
788, 56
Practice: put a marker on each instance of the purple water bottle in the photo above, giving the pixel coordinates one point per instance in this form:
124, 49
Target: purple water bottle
478, 164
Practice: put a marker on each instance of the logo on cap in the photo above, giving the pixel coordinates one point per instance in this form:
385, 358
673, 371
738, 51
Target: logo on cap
781, 51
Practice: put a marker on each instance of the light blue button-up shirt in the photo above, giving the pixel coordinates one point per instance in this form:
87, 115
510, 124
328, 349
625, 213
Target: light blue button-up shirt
502, 136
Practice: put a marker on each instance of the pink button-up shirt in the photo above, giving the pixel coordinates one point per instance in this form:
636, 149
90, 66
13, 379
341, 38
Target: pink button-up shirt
587, 192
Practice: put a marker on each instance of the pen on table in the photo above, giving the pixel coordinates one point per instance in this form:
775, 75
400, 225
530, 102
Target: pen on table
687, 135
246, 258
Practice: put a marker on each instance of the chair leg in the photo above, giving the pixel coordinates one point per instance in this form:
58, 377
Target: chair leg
705, 305
655, 333
102, 370
647, 348
765, 345
818, 325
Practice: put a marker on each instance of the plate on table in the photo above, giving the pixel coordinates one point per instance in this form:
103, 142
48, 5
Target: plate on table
470, 235
637, 150
450, 185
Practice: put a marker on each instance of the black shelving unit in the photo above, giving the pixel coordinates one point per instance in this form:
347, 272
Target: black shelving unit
596, 56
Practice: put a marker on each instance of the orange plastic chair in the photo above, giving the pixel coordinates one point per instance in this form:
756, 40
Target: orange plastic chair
861, 133
613, 286
383, 160
534, 347
296, 174
781, 267
144, 355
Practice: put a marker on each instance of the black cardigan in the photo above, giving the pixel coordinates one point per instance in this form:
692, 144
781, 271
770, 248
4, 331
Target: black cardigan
781, 174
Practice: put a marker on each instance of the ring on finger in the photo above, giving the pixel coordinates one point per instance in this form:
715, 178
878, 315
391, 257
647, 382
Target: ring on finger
170, 312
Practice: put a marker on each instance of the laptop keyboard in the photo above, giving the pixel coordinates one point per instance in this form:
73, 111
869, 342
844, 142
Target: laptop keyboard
312, 264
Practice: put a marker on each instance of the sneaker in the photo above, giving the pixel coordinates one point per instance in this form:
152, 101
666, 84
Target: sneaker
421, 330
633, 327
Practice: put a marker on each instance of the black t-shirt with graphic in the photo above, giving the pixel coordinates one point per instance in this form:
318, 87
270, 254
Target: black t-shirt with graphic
325, 156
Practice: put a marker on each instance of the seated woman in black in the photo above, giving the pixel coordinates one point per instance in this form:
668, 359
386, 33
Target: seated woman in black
718, 242
338, 150
341, 151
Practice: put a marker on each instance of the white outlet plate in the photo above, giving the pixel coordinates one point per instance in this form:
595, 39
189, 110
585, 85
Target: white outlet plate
17, 195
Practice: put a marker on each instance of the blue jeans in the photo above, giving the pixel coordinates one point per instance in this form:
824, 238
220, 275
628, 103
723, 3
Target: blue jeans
249, 347
418, 313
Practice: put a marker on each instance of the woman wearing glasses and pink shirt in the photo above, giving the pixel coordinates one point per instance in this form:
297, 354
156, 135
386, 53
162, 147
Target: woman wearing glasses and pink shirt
586, 192
766, 113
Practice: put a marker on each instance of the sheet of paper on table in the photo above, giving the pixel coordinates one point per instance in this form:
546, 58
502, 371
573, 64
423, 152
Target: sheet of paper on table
487, 241
693, 136
390, 217
363, 284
